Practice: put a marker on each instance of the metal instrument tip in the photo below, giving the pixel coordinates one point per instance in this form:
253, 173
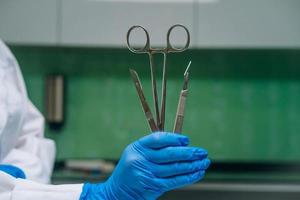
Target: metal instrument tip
187, 68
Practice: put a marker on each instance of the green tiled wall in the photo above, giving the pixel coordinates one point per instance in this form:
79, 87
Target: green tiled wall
242, 105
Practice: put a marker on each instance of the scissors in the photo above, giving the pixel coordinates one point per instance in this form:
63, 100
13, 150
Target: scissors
160, 115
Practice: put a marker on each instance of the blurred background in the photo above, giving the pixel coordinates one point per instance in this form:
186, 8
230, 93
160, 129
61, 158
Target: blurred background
244, 100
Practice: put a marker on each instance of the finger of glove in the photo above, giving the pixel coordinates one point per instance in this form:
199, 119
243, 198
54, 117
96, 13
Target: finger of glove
163, 139
183, 180
179, 168
176, 154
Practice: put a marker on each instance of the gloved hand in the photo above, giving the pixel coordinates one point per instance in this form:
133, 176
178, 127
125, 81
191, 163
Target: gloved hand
13, 171
150, 167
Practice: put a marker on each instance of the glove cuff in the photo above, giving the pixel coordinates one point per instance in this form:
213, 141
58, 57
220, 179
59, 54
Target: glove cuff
13, 171
94, 192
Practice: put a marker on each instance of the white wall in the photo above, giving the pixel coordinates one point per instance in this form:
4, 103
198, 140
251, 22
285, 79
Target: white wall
29, 21
104, 23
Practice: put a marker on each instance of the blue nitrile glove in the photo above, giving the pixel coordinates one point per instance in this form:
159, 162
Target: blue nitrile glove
150, 167
13, 171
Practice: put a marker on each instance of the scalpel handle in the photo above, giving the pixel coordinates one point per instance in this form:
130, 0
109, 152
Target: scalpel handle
143, 101
180, 112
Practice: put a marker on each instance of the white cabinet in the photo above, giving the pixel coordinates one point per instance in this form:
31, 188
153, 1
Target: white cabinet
248, 23
105, 23
29, 22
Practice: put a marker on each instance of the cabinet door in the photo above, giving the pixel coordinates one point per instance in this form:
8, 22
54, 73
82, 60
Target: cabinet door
248, 23
105, 23
28, 22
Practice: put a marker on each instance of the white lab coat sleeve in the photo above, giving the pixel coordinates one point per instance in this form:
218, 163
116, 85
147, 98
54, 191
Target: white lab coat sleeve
20, 189
33, 153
